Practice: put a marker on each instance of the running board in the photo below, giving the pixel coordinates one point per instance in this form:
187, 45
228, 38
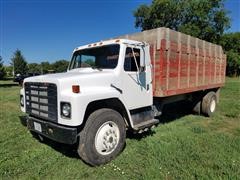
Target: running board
143, 118
145, 124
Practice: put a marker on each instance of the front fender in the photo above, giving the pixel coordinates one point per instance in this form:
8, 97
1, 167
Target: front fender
80, 101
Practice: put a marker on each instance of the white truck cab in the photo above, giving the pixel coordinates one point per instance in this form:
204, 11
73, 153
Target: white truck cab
106, 90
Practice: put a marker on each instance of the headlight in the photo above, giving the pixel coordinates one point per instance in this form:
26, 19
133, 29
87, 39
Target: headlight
65, 109
21, 100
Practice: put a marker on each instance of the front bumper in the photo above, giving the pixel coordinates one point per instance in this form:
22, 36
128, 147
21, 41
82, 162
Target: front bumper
56, 132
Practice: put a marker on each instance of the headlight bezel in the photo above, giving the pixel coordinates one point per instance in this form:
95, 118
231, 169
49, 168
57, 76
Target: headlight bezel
66, 106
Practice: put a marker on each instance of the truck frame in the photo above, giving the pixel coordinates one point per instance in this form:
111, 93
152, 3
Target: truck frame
122, 84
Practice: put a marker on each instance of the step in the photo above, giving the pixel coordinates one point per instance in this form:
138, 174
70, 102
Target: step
146, 124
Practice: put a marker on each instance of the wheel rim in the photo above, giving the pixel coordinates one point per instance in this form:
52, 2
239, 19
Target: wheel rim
107, 138
213, 105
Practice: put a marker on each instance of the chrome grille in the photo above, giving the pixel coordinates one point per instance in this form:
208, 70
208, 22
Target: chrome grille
41, 100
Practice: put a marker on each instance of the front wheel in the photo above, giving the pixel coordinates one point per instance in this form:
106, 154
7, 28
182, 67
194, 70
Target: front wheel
102, 138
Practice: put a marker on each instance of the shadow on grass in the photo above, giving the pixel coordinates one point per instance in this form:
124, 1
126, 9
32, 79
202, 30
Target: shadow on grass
65, 149
171, 113
23, 120
8, 85
174, 111
138, 136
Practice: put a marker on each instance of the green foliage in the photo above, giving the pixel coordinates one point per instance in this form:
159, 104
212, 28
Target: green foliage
231, 41
2, 69
19, 63
203, 19
45, 67
233, 63
9, 71
34, 68
90, 62
21, 66
231, 44
60, 66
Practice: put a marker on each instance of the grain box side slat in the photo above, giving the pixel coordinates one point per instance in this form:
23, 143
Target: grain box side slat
198, 64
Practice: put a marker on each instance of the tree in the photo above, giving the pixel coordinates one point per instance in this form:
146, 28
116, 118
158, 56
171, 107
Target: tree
204, 19
231, 41
19, 63
60, 66
34, 68
9, 71
2, 69
45, 67
231, 44
233, 63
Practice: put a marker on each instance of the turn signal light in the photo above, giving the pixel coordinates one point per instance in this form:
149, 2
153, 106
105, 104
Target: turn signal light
75, 88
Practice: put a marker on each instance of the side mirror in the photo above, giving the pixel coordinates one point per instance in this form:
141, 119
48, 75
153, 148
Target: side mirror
141, 68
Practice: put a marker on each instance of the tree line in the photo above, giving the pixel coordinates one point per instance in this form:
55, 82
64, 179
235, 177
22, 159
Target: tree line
19, 65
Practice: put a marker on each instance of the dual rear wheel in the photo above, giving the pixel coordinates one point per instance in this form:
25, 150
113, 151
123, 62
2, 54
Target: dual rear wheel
206, 104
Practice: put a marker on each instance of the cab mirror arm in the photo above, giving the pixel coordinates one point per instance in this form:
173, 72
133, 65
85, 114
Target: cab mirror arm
142, 68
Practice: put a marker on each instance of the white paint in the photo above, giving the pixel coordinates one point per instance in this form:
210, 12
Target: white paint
136, 94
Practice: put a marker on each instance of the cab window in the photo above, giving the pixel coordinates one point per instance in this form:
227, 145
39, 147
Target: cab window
129, 62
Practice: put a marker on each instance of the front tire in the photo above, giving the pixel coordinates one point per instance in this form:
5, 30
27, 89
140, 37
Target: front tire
102, 138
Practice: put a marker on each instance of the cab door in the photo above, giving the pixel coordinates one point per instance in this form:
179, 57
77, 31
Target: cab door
137, 80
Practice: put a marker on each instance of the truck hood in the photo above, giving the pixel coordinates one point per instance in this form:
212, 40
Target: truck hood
85, 77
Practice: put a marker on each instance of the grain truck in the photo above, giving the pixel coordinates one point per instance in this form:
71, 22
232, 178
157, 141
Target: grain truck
119, 85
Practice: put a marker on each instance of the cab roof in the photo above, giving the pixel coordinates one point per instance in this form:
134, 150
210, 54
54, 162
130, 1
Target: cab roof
107, 42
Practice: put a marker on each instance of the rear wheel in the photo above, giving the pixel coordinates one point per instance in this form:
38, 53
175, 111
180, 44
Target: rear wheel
209, 104
196, 104
102, 138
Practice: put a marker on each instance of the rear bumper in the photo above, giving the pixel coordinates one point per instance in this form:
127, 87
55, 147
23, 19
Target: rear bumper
56, 132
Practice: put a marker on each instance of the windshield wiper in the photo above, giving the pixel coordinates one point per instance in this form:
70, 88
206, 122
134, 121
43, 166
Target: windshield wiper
95, 67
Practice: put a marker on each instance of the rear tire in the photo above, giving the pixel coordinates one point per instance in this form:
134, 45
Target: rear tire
102, 138
209, 104
196, 104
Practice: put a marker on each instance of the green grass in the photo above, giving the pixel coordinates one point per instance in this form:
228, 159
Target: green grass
189, 147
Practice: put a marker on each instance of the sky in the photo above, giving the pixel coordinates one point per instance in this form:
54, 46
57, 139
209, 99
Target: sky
49, 30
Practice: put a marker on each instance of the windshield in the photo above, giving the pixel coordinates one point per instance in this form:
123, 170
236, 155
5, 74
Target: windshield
104, 57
